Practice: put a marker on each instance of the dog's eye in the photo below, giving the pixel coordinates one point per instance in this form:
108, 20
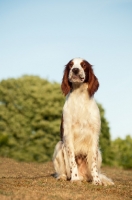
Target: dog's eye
70, 65
84, 65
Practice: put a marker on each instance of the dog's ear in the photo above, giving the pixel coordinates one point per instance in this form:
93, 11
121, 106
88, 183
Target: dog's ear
66, 85
93, 83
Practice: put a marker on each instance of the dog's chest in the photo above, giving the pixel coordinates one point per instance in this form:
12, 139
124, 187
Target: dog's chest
81, 119
81, 112
78, 107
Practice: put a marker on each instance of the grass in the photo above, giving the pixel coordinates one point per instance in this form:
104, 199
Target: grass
25, 181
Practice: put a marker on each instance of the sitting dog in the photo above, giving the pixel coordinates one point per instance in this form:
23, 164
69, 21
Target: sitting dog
77, 156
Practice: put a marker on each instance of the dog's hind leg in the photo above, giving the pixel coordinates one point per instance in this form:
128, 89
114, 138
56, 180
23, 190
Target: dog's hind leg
60, 162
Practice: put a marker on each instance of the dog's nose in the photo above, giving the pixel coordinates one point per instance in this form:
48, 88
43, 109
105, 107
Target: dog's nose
75, 70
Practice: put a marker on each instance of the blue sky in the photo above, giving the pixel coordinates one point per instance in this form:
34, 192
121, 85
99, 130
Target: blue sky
40, 37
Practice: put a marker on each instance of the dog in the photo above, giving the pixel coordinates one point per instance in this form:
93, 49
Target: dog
77, 156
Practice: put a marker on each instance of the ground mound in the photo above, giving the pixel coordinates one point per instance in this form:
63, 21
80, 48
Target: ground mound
25, 181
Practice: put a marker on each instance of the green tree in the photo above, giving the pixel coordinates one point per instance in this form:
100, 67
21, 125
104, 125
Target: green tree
30, 113
105, 139
30, 110
123, 152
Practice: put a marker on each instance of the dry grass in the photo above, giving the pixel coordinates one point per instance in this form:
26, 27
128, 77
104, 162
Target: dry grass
25, 181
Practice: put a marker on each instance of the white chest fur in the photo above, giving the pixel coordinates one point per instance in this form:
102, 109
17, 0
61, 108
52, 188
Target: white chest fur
81, 118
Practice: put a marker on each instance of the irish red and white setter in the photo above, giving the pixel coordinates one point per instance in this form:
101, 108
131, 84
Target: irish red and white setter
77, 155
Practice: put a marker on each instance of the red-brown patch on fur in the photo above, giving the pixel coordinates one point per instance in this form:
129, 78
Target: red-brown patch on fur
91, 79
82, 166
66, 85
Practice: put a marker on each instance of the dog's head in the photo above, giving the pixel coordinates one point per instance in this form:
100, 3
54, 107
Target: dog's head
79, 71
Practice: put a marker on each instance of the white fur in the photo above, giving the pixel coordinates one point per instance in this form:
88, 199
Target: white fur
81, 135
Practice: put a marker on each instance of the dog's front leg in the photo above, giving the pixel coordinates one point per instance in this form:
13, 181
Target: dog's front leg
94, 159
71, 158
69, 147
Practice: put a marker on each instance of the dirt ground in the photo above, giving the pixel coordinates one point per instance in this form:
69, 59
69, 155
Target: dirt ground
25, 181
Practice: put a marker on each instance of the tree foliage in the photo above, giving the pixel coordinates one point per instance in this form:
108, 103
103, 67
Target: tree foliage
123, 152
30, 110
105, 139
30, 113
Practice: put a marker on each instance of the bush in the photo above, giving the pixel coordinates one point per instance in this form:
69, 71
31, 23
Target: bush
123, 152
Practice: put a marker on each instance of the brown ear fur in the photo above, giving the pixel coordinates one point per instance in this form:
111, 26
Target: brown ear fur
93, 83
65, 85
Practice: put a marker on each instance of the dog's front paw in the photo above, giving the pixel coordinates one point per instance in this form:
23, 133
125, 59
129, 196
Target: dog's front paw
97, 181
75, 178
